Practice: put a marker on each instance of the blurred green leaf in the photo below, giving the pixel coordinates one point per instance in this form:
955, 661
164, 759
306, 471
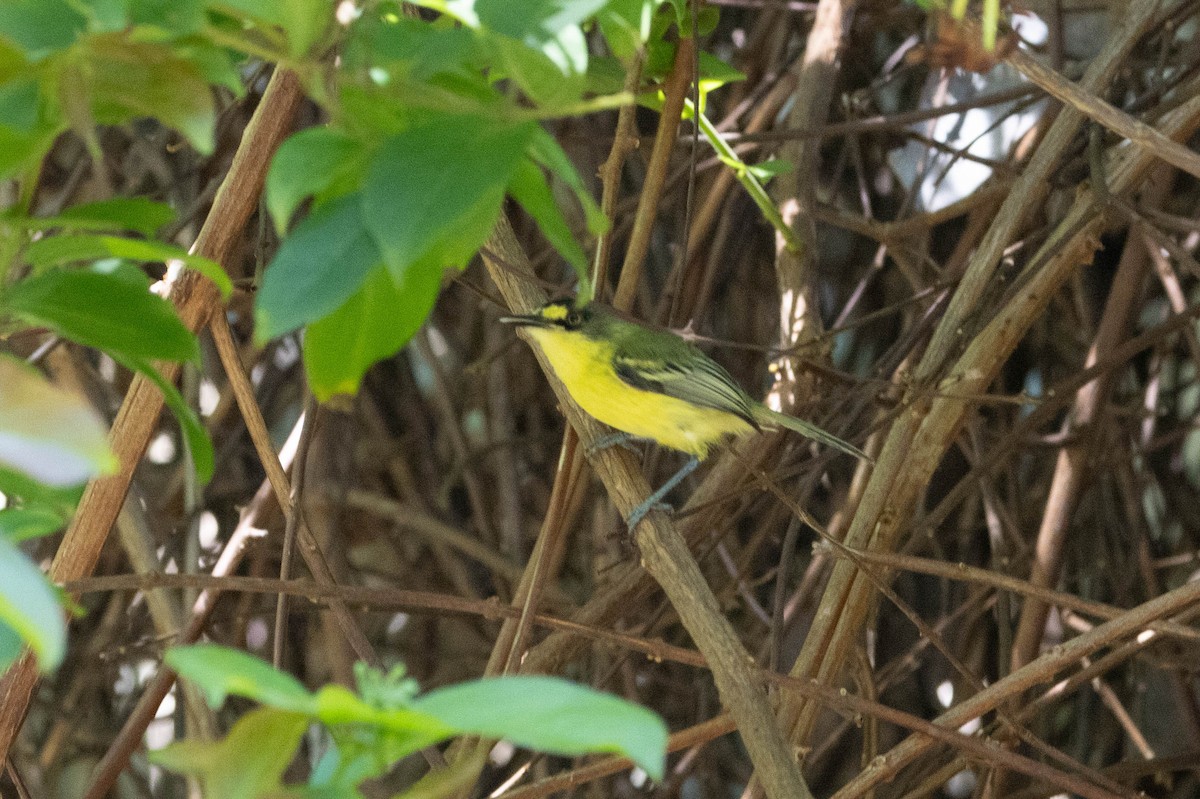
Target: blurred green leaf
434, 191
179, 17
19, 103
626, 25
317, 268
306, 164
21, 152
22, 524
137, 214
550, 75
29, 606
302, 20
417, 48
220, 671
373, 324
47, 433
10, 646
534, 22
61, 499
549, 154
124, 80
528, 187
40, 27
110, 312
772, 168
246, 764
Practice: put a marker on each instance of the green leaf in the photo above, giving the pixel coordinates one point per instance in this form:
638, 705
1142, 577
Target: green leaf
65, 249
216, 65
373, 324
434, 191
552, 715
21, 524
540, 44
19, 103
248, 763
772, 168
414, 48
40, 27
63, 499
626, 25
194, 435
127, 79
410, 729
220, 671
179, 17
317, 268
30, 607
529, 187
549, 154
20, 152
138, 214
550, 76
10, 647
308, 163
110, 312
534, 22
47, 433
715, 73
304, 21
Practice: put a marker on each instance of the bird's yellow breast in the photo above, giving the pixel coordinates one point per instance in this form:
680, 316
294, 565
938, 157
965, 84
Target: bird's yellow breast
584, 365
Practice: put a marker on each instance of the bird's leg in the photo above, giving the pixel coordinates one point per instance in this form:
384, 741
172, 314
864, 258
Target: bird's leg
617, 439
655, 499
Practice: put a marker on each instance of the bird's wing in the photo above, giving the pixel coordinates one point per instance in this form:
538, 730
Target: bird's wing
692, 377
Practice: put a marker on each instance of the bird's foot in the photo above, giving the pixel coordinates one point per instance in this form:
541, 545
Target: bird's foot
652, 503
655, 500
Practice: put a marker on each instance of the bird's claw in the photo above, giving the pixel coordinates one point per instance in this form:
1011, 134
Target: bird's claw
611, 440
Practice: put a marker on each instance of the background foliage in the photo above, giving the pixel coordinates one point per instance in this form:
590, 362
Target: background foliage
989, 288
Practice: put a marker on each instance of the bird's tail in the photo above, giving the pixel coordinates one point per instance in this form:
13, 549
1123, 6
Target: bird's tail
767, 417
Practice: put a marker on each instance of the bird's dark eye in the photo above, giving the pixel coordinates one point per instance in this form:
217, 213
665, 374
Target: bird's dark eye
574, 318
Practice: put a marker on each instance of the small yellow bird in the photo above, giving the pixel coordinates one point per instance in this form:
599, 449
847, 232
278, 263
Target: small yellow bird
650, 383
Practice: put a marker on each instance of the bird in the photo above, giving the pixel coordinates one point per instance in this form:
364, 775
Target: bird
649, 383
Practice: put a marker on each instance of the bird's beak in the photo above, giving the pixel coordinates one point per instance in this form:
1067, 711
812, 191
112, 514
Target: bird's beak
526, 321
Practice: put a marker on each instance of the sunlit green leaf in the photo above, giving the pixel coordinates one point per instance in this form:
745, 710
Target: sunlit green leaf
246, 764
